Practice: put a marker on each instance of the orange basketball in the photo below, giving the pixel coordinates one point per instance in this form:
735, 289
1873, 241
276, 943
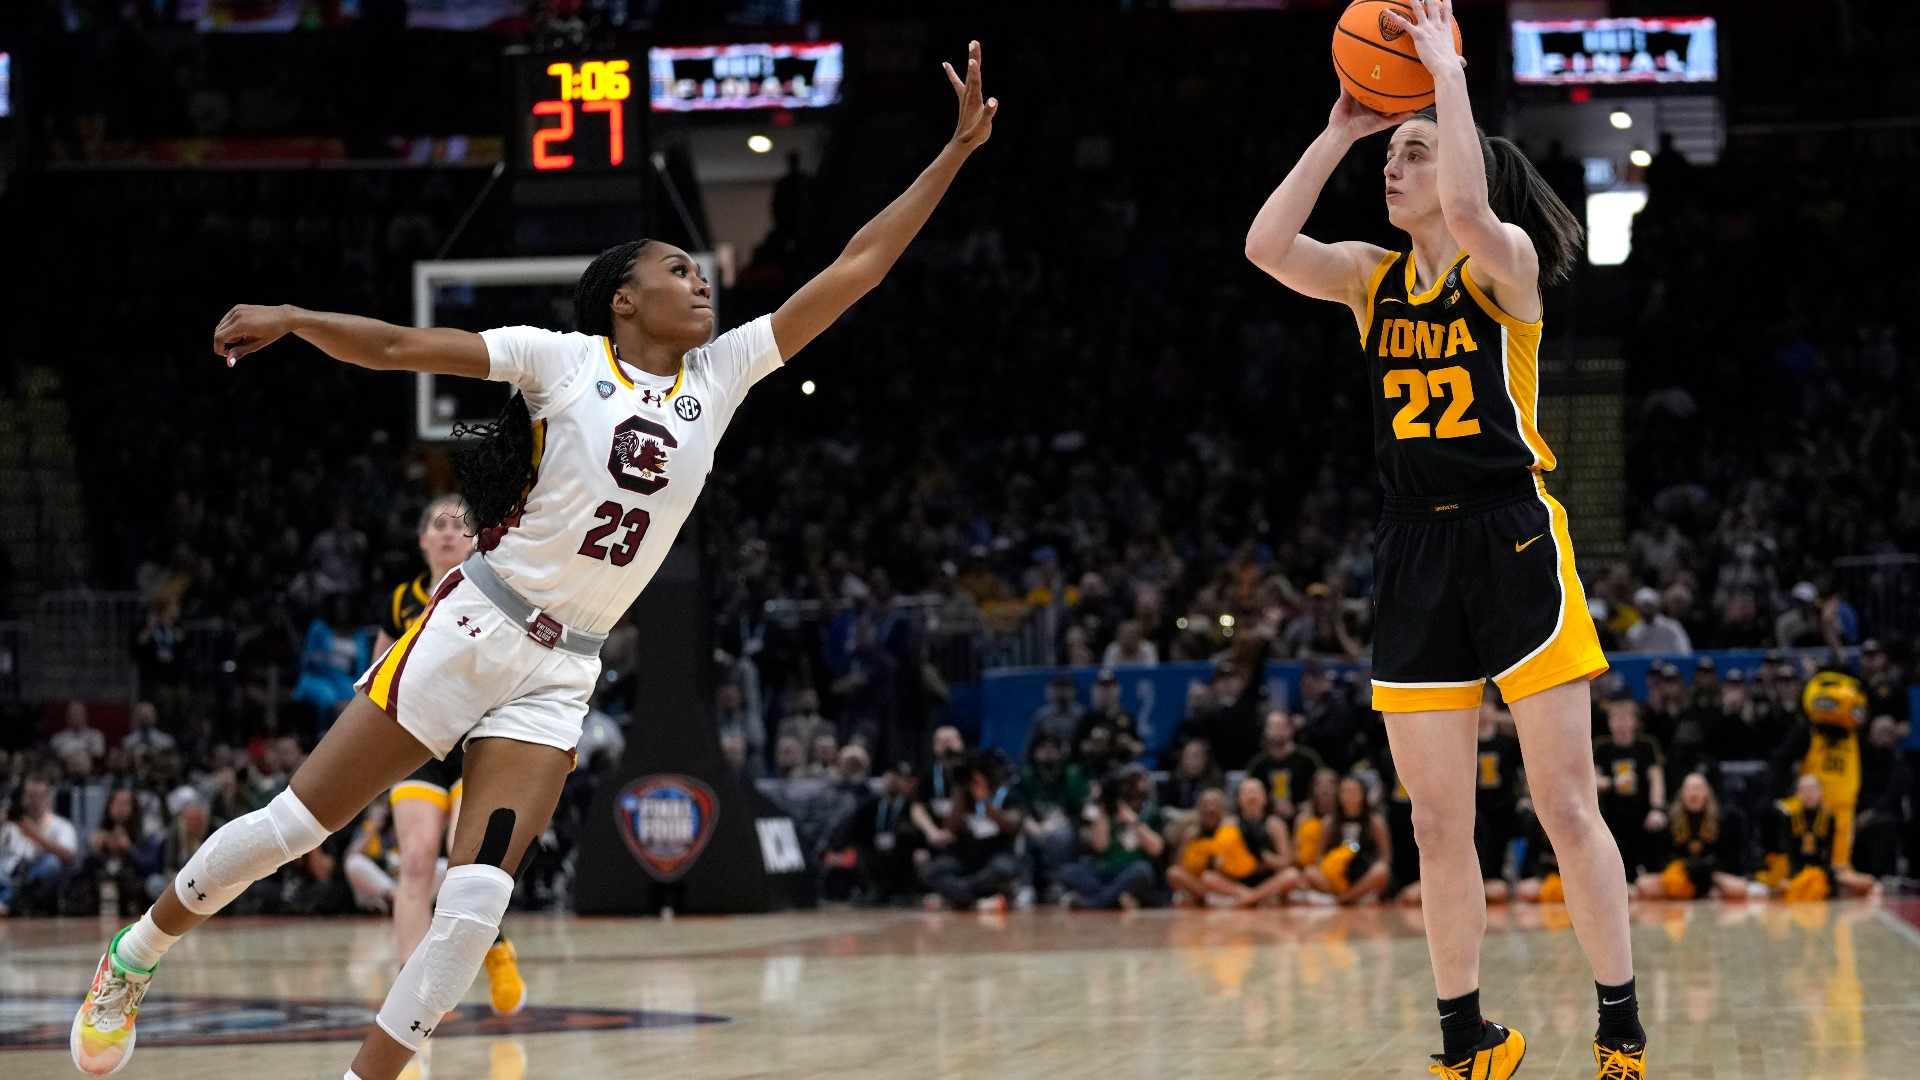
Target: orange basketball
1376, 60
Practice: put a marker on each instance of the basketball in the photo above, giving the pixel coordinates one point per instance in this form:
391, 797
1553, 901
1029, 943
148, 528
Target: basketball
1376, 61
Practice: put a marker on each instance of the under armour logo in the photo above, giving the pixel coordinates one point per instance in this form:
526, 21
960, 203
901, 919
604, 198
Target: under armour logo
191, 882
428, 1032
651, 397
475, 632
463, 621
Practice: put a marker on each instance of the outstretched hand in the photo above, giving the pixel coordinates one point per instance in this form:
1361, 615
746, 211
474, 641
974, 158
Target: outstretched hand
1432, 30
248, 328
976, 116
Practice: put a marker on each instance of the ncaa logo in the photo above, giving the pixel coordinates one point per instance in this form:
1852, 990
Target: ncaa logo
666, 822
686, 407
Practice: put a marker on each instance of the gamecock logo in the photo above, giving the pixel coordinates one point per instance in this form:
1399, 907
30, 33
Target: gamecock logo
638, 460
666, 822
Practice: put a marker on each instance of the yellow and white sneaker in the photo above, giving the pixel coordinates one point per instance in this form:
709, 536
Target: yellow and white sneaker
509, 990
103, 1035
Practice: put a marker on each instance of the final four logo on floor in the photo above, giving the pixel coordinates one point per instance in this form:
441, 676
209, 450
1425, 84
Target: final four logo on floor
666, 821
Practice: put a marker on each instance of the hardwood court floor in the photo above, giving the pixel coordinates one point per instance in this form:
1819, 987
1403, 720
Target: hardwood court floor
1734, 991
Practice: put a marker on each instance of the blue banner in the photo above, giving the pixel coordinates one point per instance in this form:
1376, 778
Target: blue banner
1157, 696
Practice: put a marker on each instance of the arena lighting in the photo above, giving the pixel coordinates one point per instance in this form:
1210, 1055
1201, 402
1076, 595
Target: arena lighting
807, 387
759, 144
1180, 623
1621, 119
1226, 620
1640, 158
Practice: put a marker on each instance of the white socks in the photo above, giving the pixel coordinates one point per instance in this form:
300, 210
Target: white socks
143, 944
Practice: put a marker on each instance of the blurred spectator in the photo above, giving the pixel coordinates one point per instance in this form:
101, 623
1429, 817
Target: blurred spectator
1704, 844
1746, 729
806, 721
124, 856
144, 735
743, 766
1130, 646
1228, 714
1123, 730
82, 799
1885, 684
1286, 769
1633, 786
937, 788
984, 819
157, 655
336, 651
1801, 625
1321, 630
1886, 790
732, 717
78, 737
1658, 631
789, 759
1359, 849
1800, 837
1195, 773
865, 686
38, 848
824, 760
1329, 724
1054, 791
1059, 717
1117, 869
881, 834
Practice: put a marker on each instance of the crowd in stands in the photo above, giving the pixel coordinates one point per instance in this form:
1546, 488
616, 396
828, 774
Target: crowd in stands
1784, 780
1072, 413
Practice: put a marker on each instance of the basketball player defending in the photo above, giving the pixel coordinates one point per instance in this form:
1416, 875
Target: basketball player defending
427, 802
575, 496
1476, 572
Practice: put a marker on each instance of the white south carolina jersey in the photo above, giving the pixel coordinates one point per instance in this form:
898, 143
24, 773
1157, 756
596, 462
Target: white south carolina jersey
620, 456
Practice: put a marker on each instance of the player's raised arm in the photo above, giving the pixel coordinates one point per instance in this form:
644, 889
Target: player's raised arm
1336, 271
1501, 251
370, 343
873, 250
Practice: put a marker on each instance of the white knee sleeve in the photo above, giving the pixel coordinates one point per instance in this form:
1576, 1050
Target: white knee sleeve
466, 918
245, 850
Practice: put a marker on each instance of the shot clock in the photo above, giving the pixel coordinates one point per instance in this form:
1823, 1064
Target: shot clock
576, 115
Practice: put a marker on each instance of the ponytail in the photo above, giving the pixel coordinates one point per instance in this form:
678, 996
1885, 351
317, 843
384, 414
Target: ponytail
1518, 194
495, 461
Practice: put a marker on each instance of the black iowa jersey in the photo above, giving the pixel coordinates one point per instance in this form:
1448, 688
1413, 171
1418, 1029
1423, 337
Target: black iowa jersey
405, 606
1455, 383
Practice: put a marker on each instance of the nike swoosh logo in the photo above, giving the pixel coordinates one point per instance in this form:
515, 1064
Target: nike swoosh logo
1603, 1001
1391, 300
1520, 547
1448, 1016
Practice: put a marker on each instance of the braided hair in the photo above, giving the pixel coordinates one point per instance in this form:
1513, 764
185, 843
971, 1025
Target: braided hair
495, 460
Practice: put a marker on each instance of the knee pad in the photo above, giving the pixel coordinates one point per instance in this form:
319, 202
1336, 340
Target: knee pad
245, 850
466, 919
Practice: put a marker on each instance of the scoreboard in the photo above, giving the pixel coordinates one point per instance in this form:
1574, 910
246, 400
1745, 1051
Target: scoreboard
574, 114
1609, 51
708, 77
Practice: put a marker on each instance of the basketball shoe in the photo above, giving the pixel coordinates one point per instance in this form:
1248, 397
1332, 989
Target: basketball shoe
1496, 1058
1620, 1061
102, 1036
509, 990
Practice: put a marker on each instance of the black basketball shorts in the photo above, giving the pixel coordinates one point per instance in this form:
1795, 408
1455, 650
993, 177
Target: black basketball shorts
1477, 586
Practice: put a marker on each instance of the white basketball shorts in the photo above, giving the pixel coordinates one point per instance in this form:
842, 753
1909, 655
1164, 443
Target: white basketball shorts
465, 671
